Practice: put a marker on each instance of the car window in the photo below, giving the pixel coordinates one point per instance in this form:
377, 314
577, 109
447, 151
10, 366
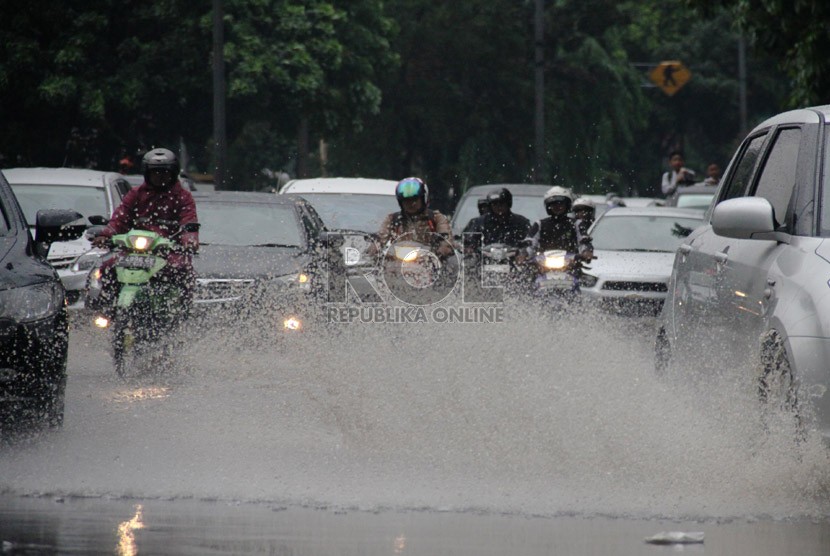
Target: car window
777, 181
642, 233
739, 181
347, 211
5, 227
248, 224
88, 201
825, 194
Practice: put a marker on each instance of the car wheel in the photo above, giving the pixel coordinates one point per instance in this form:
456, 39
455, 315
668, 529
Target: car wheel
662, 353
777, 387
54, 404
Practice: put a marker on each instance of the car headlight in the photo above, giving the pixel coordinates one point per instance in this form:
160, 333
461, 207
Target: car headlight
300, 280
31, 303
87, 261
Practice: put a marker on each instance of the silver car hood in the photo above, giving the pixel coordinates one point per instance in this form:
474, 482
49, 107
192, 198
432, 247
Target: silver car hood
650, 266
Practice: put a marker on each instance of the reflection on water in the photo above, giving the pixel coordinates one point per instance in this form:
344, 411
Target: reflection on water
143, 393
400, 544
126, 537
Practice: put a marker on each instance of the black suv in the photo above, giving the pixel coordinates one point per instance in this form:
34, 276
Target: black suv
33, 322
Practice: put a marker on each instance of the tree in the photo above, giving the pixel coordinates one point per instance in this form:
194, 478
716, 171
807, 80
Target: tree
793, 32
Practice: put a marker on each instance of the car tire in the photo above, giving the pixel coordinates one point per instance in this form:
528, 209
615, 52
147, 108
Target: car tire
777, 385
54, 404
662, 353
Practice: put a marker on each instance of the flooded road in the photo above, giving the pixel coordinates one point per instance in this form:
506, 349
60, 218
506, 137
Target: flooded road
530, 436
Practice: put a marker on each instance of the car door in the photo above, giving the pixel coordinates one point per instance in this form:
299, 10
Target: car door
751, 265
699, 277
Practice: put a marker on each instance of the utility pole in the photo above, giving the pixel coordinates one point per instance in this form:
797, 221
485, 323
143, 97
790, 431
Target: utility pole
539, 166
220, 154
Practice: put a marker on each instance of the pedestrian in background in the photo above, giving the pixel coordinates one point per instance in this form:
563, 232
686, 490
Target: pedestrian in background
678, 175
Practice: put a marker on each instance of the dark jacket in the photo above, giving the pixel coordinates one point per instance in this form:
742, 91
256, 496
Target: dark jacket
559, 232
510, 229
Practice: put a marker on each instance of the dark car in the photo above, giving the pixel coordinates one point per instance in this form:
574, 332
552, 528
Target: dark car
260, 259
33, 319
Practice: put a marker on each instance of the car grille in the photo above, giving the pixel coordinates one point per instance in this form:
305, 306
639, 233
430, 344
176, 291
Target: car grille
636, 286
221, 290
61, 263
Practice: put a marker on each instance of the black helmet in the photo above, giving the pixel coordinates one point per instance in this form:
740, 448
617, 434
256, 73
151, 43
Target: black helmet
483, 205
161, 159
408, 188
503, 195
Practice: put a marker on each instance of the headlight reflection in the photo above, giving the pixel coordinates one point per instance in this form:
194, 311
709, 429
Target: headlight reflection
126, 538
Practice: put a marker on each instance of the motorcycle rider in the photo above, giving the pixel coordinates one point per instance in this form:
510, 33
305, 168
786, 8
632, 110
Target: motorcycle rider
584, 212
159, 205
417, 219
558, 230
501, 224
483, 208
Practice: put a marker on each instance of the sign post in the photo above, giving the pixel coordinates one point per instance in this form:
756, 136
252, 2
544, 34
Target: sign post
670, 76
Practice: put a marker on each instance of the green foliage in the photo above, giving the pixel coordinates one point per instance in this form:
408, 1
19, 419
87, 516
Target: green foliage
793, 32
444, 90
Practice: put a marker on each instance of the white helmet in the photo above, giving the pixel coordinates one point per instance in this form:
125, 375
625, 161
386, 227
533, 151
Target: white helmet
558, 194
583, 202
559, 191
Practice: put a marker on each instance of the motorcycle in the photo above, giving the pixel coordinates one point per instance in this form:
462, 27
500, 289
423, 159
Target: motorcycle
557, 274
146, 313
415, 273
499, 266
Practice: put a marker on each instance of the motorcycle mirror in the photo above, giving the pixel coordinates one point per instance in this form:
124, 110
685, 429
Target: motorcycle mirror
98, 220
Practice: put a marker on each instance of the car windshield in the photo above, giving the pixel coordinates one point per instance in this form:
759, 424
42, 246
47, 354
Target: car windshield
642, 233
348, 211
89, 201
531, 207
695, 200
249, 224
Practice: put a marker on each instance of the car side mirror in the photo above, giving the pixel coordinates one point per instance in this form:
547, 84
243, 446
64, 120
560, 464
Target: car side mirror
192, 227
744, 218
98, 220
58, 225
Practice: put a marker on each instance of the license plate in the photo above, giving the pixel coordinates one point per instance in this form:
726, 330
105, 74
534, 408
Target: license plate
497, 268
559, 280
137, 261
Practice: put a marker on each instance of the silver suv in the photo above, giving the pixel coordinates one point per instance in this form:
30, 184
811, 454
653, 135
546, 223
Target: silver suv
89, 192
750, 289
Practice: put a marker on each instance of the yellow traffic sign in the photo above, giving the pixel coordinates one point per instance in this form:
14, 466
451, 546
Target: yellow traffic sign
670, 76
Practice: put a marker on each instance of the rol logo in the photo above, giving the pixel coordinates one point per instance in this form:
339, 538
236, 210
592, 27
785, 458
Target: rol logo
417, 271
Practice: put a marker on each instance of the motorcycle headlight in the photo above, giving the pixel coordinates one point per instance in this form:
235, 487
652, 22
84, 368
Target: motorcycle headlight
139, 243
555, 262
31, 303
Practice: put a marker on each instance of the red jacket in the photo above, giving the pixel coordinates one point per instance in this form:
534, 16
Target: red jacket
175, 204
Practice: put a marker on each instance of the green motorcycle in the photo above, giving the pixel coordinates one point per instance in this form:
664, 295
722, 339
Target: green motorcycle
147, 312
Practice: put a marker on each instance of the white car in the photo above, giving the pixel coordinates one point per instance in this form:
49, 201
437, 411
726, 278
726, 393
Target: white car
89, 192
348, 203
750, 289
634, 249
356, 205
